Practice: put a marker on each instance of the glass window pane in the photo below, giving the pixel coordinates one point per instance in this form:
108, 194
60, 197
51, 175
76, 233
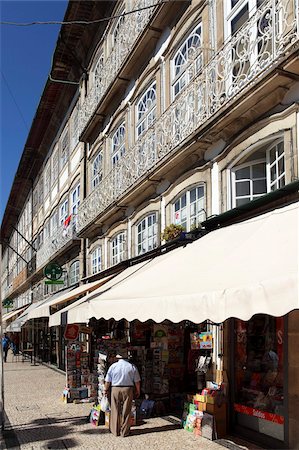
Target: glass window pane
259, 170
280, 148
183, 200
242, 201
243, 188
259, 187
273, 173
192, 195
281, 166
241, 174
200, 192
239, 19
272, 154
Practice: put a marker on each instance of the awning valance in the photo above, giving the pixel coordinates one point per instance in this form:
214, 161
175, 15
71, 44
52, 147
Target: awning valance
63, 297
237, 271
13, 313
79, 313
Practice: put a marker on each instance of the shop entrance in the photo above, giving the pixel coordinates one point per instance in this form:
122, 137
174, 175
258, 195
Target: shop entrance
260, 379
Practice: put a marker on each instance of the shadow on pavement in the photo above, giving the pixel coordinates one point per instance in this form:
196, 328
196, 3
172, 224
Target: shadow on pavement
137, 432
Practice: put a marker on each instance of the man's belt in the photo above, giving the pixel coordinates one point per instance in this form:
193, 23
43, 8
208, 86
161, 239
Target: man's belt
123, 386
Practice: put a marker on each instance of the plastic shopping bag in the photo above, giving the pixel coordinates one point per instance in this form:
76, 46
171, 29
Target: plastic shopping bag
105, 404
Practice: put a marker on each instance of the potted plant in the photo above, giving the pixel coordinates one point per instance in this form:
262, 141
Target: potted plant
171, 232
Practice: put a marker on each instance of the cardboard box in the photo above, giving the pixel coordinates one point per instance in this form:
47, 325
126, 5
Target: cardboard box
211, 399
107, 419
217, 411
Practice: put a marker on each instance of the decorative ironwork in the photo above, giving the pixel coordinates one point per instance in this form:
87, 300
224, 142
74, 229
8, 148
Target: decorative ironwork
263, 41
55, 243
128, 33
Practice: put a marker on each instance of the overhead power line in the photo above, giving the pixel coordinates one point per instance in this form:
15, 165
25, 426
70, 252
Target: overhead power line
81, 22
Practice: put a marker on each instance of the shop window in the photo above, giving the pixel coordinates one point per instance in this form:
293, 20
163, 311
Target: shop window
262, 172
96, 260
97, 170
147, 234
118, 249
118, 144
187, 61
189, 208
74, 272
146, 110
259, 374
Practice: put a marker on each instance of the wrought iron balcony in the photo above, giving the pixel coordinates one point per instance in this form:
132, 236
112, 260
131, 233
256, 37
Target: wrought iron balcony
263, 42
130, 28
54, 244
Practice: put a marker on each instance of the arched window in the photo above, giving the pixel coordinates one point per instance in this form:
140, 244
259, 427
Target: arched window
147, 234
74, 272
97, 170
261, 172
118, 248
189, 208
187, 61
146, 110
96, 260
118, 144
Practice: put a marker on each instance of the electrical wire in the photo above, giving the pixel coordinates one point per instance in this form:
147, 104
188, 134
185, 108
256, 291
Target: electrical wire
14, 100
81, 22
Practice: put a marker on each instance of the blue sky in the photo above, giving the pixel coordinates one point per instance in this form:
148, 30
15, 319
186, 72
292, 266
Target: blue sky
26, 54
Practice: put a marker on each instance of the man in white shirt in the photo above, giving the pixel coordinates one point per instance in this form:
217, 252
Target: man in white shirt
123, 377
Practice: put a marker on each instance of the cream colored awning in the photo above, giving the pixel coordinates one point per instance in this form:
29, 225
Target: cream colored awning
13, 313
237, 271
78, 311
44, 309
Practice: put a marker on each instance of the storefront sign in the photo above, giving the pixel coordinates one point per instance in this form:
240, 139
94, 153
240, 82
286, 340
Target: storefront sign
271, 417
71, 332
53, 271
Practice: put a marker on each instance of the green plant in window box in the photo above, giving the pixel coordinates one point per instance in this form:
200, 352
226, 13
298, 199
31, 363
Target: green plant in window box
171, 232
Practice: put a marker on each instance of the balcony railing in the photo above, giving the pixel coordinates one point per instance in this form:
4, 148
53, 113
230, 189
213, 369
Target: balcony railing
54, 243
248, 56
129, 31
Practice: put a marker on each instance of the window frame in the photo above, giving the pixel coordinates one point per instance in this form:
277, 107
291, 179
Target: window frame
64, 149
267, 161
96, 260
96, 178
154, 235
118, 144
152, 110
118, 242
63, 211
185, 72
189, 216
74, 273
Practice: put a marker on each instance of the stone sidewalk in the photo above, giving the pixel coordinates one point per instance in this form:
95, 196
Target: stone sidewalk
38, 419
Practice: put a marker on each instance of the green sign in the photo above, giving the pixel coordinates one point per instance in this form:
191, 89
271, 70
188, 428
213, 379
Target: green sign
54, 281
53, 272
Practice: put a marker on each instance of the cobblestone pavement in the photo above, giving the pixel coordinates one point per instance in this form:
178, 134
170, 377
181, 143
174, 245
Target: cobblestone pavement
38, 418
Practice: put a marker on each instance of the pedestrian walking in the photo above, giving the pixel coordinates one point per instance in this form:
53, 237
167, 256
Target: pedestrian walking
5, 346
124, 379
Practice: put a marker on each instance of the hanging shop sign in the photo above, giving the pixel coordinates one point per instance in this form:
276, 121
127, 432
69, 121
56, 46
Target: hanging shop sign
71, 332
53, 272
202, 341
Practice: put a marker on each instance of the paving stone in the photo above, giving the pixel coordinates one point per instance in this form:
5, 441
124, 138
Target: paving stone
40, 420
